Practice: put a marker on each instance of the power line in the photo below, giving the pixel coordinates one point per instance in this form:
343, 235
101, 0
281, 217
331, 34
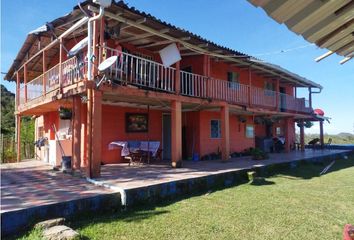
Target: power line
284, 51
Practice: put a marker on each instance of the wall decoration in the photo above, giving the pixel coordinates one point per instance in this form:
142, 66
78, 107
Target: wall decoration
136, 122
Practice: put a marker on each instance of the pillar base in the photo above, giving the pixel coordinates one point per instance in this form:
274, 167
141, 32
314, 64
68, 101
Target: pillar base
177, 164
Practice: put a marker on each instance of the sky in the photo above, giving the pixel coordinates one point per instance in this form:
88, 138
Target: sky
232, 23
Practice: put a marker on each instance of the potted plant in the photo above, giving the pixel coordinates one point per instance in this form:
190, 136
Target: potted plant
65, 113
242, 119
258, 154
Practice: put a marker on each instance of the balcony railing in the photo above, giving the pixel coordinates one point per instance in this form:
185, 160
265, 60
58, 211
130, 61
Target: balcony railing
72, 69
138, 71
147, 74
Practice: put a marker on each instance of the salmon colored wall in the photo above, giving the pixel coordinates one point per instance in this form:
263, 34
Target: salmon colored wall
196, 62
190, 120
238, 140
113, 129
49, 119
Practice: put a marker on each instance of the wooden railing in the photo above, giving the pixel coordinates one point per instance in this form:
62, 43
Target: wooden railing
138, 71
262, 97
73, 71
147, 74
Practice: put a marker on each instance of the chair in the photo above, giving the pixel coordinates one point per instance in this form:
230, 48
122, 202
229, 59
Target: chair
313, 142
135, 157
328, 144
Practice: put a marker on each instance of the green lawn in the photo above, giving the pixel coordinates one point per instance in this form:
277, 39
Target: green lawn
293, 205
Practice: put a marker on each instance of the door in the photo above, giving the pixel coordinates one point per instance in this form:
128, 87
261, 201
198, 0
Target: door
166, 136
282, 99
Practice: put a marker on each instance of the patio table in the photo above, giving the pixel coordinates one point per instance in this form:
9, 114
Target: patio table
146, 146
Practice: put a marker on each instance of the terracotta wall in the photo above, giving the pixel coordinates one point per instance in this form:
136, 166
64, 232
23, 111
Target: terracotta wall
113, 129
238, 140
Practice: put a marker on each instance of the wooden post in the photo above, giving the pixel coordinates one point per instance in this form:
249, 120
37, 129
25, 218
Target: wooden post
95, 35
44, 71
225, 133
321, 134
18, 137
25, 80
249, 86
18, 83
76, 138
89, 133
177, 78
102, 27
176, 133
310, 98
302, 135
60, 64
277, 92
96, 142
287, 124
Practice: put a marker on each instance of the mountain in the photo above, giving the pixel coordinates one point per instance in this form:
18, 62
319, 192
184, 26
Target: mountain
7, 111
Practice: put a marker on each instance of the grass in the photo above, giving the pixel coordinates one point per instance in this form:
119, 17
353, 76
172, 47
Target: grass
296, 204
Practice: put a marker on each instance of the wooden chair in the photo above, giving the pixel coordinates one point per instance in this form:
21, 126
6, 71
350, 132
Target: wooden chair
135, 157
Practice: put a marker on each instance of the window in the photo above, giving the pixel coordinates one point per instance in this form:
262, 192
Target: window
233, 79
278, 131
215, 129
249, 131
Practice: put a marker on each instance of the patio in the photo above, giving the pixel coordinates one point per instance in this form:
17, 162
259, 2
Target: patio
137, 176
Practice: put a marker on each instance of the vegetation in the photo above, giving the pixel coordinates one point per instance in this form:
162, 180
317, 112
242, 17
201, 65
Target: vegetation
8, 153
341, 138
294, 204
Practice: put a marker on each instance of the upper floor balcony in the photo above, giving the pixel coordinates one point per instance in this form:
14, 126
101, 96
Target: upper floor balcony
146, 74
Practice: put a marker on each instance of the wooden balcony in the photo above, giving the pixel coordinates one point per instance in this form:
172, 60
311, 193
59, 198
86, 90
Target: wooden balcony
146, 74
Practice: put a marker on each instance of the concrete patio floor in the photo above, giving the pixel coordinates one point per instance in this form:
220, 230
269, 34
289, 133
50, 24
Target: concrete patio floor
136, 176
33, 183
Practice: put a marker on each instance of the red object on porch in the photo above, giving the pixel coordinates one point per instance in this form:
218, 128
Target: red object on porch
319, 112
348, 232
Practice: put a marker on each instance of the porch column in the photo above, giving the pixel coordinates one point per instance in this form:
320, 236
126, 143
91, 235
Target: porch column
249, 86
176, 133
18, 137
25, 81
61, 58
225, 133
177, 75
17, 90
76, 146
96, 141
321, 134
277, 92
287, 125
44, 70
302, 135
310, 98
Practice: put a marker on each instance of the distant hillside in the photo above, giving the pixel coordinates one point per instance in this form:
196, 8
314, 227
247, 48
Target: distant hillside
7, 111
341, 138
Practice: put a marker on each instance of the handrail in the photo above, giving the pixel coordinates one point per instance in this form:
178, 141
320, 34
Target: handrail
148, 74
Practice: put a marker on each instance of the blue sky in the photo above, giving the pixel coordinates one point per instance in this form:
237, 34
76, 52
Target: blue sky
235, 24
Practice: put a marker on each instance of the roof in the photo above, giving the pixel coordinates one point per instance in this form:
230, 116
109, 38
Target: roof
143, 22
327, 23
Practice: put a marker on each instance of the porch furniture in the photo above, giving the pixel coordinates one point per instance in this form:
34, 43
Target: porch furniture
314, 142
279, 143
328, 144
138, 151
265, 144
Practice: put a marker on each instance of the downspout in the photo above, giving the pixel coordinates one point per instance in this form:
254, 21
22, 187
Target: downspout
89, 44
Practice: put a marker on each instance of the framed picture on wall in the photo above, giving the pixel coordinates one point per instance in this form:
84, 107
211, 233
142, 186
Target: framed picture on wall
136, 122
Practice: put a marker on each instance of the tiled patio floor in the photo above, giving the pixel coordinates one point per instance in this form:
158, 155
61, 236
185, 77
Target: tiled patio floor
33, 183
129, 177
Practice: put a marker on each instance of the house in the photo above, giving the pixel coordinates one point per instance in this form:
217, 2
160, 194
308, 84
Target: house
212, 100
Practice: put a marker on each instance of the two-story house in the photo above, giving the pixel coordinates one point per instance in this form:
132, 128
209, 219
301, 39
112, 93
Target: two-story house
213, 100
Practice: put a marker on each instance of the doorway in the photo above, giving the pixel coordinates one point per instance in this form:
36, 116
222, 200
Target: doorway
282, 99
166, 136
